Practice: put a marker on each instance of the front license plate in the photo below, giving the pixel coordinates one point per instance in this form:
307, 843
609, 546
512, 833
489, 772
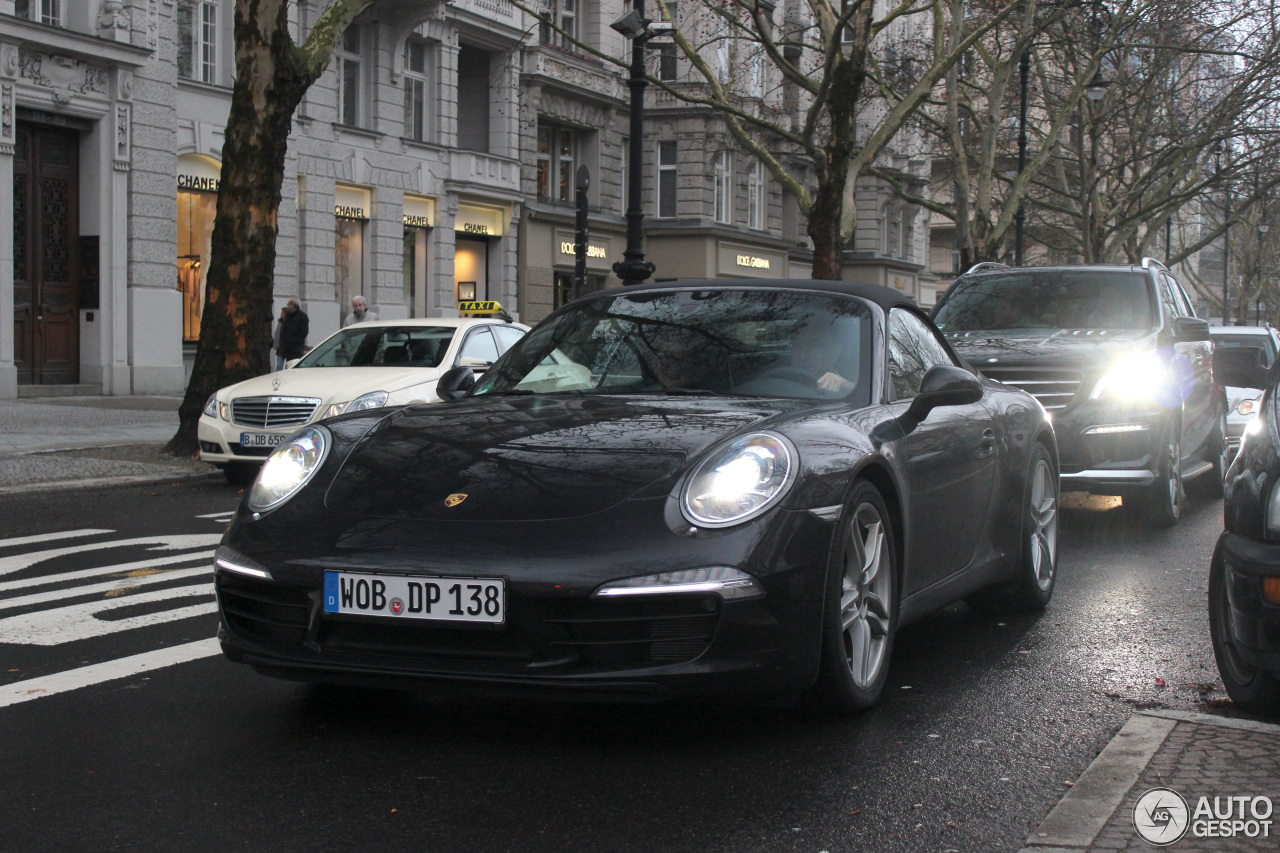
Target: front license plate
400, 597
261, 439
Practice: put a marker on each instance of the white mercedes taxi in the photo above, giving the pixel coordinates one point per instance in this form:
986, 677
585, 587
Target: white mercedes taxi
364, 366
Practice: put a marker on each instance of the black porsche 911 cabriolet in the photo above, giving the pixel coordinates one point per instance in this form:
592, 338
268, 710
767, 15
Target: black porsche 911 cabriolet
705, 487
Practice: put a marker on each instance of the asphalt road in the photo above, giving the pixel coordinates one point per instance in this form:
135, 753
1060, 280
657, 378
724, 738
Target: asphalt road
984, 720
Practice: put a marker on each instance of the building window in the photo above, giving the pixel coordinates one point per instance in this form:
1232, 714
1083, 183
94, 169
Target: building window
666, 179
198, 40
473, 110
724, 187
556, 146
43, 11
195, 239
562, 14
668, 53
757, 196
418, 91
350, 82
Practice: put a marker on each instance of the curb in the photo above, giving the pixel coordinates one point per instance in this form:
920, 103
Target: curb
108, 482
1075, 822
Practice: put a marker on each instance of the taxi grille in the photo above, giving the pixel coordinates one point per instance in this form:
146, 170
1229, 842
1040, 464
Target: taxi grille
265, 611
273, 412
1055, 389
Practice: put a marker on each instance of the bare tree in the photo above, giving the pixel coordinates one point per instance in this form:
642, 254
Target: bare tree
272, 75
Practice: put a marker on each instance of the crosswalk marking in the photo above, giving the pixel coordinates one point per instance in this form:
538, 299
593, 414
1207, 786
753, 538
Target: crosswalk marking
119, 568
51, 537
59, 625
18, 562
87, 676
108, 587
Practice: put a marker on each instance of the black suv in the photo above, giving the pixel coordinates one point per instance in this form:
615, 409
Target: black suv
1119, 360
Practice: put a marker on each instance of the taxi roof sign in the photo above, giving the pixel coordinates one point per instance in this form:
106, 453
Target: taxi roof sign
474, 306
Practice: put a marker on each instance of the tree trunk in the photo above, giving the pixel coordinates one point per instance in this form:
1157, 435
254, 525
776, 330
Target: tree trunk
272, 75
824, 228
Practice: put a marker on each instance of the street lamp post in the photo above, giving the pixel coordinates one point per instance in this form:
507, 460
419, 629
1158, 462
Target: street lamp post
1263, 228
634, 269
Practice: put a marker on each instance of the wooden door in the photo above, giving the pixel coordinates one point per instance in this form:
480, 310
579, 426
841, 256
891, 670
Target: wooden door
46, 226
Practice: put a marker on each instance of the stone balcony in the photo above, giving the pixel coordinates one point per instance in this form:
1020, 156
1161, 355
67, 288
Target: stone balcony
484, 172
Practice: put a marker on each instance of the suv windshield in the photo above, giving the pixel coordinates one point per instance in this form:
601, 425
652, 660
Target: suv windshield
773, 343
1053, 299
382, 346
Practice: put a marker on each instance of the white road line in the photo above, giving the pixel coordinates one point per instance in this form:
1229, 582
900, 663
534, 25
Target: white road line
18, 562
91, 589
59, 625
50, 685
51, 537
119, 568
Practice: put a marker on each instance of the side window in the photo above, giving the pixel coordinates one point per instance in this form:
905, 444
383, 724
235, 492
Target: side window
1179, 297
479, 344
1168, 306
507, 336
913, 349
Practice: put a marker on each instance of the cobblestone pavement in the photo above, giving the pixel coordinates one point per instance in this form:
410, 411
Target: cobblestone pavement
1209, 761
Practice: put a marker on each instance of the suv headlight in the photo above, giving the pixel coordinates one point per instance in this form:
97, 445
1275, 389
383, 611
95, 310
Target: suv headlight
1136, 377
739, 481
290, 467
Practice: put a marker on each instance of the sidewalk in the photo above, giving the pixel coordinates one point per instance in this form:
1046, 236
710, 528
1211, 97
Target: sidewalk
1189, 756
84, 442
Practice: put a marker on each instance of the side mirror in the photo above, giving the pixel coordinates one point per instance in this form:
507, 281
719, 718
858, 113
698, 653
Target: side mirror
455, 383
291, 363
944, 385
1188, 330
1240, 367
478, 365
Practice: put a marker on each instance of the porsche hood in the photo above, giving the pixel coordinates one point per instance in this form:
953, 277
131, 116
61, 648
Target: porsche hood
532, 458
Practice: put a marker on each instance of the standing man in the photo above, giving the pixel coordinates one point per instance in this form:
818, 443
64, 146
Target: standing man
294, 326
359, 312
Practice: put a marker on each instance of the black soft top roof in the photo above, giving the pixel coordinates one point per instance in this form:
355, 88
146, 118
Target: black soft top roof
885, 297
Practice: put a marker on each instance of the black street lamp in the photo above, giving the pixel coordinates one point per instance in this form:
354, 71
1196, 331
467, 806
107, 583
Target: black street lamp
1226, 235
634, 27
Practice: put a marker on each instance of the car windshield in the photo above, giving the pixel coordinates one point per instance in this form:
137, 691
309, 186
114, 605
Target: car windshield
1262, 342
1052, 299
774, 343
382, 346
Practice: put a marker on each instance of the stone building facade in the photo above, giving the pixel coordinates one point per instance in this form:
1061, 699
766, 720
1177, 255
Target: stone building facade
432, 162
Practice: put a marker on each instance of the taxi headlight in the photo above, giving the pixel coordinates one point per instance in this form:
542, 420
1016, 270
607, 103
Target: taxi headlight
1137, 377
289, 468
739, 481
372, 400
211, 407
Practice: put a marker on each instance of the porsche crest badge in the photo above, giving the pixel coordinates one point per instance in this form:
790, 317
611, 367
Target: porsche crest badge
454, 499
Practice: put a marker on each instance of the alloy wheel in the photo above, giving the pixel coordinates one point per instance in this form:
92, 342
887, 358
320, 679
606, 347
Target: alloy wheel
865, 596
1044, 517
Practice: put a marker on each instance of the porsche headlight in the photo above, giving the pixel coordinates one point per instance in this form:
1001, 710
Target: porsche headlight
740, 480
289, 468
211, 407
1247, 406
1136, 377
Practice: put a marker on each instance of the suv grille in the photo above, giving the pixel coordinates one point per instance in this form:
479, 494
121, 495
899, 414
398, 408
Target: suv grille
270, 412
1055, 389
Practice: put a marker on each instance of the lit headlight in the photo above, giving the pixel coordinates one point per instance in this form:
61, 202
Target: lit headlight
740, 480
1137, 377
1247, 406
211, 407
289, 468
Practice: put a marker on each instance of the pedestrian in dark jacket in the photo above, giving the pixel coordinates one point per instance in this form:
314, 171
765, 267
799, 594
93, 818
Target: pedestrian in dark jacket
293, 332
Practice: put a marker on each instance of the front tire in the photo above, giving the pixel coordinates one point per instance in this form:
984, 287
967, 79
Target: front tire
1162, 504
1251, 688
860, 609
1038, 561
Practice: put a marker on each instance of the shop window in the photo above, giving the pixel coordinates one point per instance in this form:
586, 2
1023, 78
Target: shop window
556, 155
666, 179
419, 91
474, 92
470, 268
198, 40
757, 196
195, 239
349, 59
42, 11
415, 271
723, 175
348, 262
559, 25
